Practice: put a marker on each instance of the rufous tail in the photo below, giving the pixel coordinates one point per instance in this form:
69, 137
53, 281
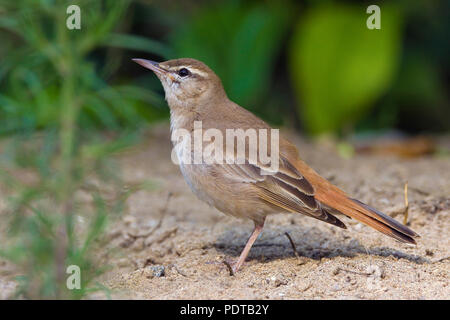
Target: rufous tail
334, 198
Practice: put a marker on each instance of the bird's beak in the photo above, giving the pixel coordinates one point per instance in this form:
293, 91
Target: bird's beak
152, 65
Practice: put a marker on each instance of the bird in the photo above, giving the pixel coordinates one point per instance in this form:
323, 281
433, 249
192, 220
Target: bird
245, 189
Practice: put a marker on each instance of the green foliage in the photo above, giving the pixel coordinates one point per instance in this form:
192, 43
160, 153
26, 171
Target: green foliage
420, 95
43, 57
339, 67
239, 41
55, 170
57, 217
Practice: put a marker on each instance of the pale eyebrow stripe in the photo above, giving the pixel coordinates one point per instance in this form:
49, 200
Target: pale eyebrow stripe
193, 70
199, 72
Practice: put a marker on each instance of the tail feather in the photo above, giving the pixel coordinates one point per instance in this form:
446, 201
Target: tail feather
388, 220
371, 217
334, 199
385, 224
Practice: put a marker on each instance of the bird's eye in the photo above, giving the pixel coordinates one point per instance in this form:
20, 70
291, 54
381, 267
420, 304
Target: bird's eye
183, 72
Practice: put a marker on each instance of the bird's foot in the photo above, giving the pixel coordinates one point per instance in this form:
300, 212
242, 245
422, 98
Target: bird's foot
228, 264
231, 266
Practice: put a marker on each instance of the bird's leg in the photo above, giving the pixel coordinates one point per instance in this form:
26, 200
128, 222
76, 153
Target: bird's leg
248, 246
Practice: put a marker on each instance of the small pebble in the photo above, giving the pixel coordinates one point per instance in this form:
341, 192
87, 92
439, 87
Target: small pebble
158, 271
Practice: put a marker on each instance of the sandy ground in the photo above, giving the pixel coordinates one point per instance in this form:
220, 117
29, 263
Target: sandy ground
190, 239
173, 247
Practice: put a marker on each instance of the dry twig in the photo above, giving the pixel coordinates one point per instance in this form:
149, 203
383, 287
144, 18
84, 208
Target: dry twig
406, 212
292, 244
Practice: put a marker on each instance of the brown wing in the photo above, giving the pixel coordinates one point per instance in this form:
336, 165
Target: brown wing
294, 193
286, 189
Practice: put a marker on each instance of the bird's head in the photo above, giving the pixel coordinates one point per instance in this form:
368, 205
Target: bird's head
187, 82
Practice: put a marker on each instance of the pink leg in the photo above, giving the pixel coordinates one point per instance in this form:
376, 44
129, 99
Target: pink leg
248, 246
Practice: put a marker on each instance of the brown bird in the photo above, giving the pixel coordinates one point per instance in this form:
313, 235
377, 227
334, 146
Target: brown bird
247, 189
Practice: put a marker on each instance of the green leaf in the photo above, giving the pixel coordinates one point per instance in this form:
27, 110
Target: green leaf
127, 41
339, 67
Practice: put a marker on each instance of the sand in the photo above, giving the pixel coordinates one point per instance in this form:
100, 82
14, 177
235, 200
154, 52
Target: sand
173, 247
191, 240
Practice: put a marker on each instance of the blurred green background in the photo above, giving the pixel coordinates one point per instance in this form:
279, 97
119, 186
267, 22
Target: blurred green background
70, 99
310, 64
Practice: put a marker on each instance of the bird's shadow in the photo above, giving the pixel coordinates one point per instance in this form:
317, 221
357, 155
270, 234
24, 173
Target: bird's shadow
309, 243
